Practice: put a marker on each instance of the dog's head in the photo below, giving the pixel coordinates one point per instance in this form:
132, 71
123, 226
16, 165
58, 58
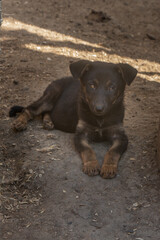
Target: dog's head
103, 84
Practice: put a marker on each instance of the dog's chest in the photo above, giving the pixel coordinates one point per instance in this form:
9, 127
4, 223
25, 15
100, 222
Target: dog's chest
99, 129
99, 132
96, 132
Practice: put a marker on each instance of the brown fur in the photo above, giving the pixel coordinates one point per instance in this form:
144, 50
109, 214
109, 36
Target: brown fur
90, 104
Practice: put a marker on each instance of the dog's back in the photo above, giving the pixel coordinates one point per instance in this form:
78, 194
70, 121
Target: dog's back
64, 114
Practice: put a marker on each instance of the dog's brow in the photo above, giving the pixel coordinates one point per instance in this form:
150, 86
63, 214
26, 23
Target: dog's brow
96, 81
108, 83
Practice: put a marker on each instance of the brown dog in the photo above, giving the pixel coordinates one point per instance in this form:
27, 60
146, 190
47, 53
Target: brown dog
90, 104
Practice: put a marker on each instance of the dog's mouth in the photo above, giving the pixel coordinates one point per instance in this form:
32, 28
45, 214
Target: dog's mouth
99, 111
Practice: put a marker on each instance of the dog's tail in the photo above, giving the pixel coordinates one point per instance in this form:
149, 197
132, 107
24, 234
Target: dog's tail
14, 110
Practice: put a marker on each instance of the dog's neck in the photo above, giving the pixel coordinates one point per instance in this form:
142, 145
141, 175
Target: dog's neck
100, 122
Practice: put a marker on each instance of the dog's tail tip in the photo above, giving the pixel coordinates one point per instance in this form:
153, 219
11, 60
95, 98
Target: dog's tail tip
14, 110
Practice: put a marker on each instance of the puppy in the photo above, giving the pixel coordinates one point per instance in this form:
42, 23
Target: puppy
90, 104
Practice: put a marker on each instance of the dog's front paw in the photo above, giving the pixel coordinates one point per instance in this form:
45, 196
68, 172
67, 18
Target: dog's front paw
91, 168
48, 125
19, 124
108, 171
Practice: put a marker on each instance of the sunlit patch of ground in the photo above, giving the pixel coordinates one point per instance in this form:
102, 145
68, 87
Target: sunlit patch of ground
98, 53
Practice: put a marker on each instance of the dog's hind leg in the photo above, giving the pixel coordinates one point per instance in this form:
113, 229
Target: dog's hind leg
21, 122
47, 122
29, 113
43, 105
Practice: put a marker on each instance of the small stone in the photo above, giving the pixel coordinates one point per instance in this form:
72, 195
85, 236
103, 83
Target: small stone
132, 159
135, 204
15, 82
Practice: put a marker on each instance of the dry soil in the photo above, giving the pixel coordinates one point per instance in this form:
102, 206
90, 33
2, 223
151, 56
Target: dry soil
44, 193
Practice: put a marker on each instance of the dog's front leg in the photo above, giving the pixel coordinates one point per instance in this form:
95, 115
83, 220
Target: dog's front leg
110, 164
89, 161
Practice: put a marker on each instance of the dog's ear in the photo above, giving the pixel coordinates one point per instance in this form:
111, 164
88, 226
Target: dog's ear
79, 68
128, 72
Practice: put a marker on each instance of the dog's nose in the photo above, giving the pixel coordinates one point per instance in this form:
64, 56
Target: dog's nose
99, 108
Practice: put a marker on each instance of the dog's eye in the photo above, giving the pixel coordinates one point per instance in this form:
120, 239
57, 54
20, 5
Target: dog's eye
111, 88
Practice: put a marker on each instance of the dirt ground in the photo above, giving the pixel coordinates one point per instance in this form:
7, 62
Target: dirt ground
44, 193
